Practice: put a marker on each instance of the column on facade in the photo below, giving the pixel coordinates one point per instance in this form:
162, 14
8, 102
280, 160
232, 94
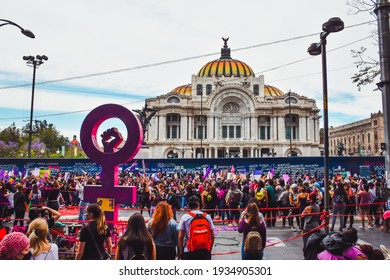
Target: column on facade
310, 129
254, 127
162, 127
274, 128
190, 128
302, 129
217, 127
282, 128
183, 128
210, 128
155, 125
241, 152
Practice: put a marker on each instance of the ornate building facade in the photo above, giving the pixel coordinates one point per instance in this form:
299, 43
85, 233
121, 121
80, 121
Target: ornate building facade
226, 111
361, 138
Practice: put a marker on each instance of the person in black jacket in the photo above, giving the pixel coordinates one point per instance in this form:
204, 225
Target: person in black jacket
20, 202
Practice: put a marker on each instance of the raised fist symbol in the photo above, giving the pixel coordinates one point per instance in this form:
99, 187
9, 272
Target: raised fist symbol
111, 139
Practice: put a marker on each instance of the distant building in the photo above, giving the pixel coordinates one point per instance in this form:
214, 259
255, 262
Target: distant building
226, 111
361, 138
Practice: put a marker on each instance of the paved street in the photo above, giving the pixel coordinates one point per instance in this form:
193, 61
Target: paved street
228, 240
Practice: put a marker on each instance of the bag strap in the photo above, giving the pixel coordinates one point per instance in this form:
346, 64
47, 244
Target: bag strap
94, 242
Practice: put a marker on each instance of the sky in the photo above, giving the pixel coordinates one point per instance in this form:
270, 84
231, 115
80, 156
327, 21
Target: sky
126, 51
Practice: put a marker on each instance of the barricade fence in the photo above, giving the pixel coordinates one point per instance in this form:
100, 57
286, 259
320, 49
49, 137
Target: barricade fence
67, 238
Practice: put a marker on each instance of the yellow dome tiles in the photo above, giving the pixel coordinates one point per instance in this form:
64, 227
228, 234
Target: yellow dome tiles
184, 89
226, 67
272, 91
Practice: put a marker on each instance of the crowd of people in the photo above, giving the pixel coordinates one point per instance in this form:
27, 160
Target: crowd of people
250, 204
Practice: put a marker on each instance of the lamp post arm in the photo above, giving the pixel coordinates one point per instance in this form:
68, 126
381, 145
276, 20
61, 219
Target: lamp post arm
25, 32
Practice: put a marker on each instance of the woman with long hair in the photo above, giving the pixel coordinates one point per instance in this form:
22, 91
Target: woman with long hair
250, 219
137, 242
164, 230
339, 197
94, 235
40, 246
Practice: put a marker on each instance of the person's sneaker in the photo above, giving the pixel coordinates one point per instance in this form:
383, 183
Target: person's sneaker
341, 229
234, 224
370, 227
331, 228
293, 229
230, 224
362, 227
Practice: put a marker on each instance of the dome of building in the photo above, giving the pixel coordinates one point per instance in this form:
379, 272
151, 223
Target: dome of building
226, 66
272, 91
184, 89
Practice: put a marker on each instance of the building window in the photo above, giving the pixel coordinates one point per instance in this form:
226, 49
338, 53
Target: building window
173, 99
256, 89
375, 122
224, 132
231, 131
368, 137
173, 126
199, 90
209, 88
292, 128
349, 140
238, 131
363, 138
200, 131
353, 141
375, 136
264, 128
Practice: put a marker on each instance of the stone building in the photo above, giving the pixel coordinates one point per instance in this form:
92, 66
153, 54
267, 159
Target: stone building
361, 138
227, 111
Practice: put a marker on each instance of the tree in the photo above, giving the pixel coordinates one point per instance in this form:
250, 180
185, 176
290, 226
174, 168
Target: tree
11, 134
368, 68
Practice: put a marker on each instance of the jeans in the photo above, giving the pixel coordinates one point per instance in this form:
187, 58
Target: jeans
245, 256
83, 205
338, 209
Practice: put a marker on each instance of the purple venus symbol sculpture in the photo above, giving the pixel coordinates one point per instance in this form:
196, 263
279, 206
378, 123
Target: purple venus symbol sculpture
110, 157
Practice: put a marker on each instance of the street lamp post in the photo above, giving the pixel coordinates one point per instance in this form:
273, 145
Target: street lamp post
25, 32
33, 61
331, 26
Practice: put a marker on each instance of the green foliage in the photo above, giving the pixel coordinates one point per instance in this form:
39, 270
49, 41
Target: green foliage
14, 141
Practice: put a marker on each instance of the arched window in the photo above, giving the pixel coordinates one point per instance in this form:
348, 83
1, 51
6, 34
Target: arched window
209, 89
173, 99
256, 89
199, 89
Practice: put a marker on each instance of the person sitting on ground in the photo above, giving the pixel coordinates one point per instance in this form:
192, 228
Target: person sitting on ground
341, 246
137, 242
41, 248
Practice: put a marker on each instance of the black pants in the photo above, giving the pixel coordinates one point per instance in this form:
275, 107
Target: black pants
19, 214
197, 255
165, 253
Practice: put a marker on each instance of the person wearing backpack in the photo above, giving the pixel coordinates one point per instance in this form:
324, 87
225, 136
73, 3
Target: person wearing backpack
254, 233
196, 233
233, 198
339, 197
